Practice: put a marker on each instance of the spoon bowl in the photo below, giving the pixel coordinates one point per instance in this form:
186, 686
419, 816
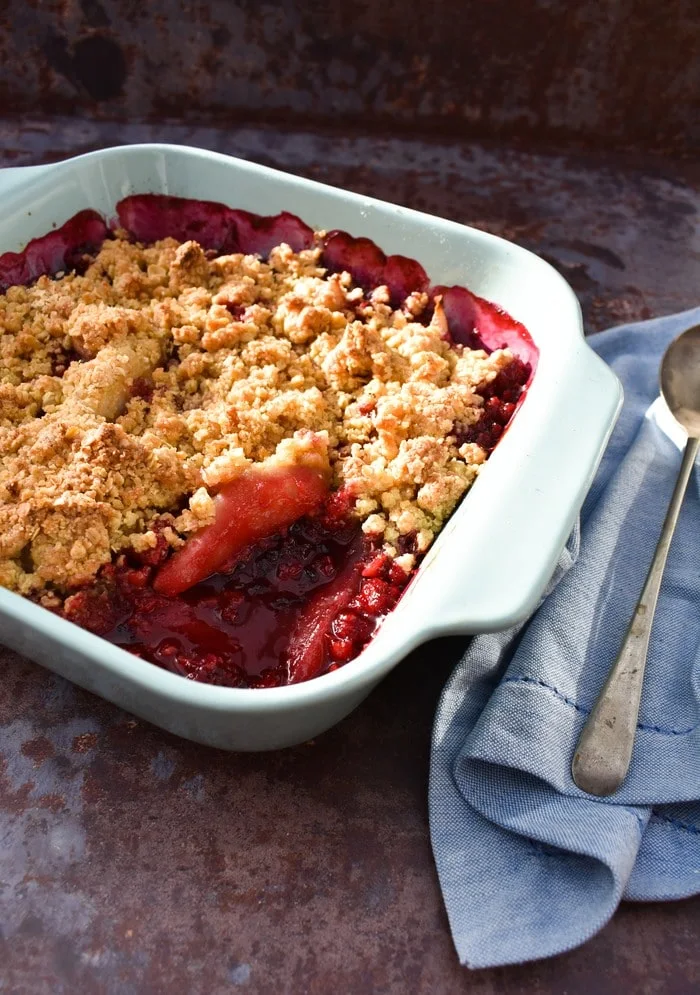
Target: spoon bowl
680, 380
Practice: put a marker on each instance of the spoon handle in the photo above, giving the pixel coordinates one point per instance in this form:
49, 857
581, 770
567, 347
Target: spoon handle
604, 749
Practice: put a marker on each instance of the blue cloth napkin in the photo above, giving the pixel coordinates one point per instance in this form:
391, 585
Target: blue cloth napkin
529, 865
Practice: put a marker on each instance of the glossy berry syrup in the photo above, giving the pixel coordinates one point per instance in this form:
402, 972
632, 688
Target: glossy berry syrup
307, 599
295, 605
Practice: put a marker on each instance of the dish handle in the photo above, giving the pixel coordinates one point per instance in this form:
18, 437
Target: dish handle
485, 580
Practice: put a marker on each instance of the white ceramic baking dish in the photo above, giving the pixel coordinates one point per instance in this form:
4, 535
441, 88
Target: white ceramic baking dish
489, 567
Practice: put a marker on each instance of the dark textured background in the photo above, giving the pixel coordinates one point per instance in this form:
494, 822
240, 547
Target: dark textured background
134, 862
607, 72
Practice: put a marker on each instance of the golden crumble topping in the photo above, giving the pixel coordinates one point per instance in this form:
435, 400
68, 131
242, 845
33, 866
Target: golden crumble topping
131, 393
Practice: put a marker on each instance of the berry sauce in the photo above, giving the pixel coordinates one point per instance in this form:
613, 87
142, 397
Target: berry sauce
308, 599
66, 248
246, 626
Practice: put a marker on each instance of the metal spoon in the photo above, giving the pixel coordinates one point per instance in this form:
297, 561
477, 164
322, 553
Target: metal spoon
604, 749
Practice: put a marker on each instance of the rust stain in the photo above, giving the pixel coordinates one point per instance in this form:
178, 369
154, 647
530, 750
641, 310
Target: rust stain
85, 742
54, 802
39, 749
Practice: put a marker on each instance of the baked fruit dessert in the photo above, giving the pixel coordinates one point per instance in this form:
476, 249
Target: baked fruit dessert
227, 441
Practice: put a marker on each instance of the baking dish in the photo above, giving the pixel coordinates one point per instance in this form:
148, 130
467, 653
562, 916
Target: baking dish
493, 559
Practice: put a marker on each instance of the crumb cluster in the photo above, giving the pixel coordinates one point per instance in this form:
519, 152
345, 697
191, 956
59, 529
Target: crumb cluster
131, 393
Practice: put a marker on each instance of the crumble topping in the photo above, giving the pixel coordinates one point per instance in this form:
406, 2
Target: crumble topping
129, 395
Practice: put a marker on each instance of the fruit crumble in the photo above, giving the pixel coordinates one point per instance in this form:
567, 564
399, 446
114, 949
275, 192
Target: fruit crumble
231, 463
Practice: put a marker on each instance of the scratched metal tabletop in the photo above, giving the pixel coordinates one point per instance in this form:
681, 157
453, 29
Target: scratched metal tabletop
135, 862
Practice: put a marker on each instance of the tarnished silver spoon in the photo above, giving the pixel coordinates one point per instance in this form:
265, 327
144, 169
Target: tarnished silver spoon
604, 749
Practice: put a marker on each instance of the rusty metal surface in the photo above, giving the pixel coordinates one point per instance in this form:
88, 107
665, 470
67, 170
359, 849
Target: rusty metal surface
613, 71
134, 862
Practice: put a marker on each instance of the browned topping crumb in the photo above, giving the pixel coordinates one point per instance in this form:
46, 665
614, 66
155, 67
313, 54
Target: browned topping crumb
131, 393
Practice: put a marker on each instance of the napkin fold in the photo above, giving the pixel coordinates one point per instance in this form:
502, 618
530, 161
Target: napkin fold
529, 865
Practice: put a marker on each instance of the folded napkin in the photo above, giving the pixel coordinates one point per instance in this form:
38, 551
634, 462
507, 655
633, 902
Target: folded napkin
529, 865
